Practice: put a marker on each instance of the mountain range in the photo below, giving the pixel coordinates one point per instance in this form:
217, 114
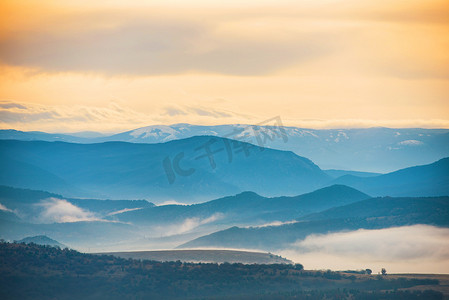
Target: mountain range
374, 213
190, 170
245, 208
377, 149
427, 180
246, 220
74, 221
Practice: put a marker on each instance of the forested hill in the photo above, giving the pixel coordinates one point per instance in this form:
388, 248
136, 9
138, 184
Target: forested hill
30, 271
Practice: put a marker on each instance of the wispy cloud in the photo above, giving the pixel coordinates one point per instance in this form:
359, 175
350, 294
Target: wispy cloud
124, 210
4, 208
187, 225
62, 211
275, 223
115, 116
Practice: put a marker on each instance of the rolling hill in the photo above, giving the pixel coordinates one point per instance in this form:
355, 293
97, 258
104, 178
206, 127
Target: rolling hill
246, 208
426, 180
372, 213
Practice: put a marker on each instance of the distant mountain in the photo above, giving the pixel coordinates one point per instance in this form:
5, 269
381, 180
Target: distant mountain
366, 149
372, 213
11, 134
339, 173
139, 225
188, 170
41, 240
82, 234
427, 180
246, 208
23, 174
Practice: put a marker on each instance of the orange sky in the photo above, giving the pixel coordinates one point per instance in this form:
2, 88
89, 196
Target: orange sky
116, 65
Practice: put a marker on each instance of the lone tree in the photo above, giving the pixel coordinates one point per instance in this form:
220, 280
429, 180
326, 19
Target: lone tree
384, 272
368, 271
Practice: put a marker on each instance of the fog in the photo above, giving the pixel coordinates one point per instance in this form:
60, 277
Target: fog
61, 211
2, 207
187, 225
410, 249
274, 223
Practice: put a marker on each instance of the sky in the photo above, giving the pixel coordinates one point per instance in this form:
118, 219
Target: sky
109, 66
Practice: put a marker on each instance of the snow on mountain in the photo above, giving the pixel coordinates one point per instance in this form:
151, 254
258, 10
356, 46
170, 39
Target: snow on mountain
362, 149
411, 143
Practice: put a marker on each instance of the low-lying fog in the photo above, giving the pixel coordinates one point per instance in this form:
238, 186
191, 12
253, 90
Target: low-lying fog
411, 249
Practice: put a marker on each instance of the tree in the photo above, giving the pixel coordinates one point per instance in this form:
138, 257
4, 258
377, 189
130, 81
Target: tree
384, 272
368, 271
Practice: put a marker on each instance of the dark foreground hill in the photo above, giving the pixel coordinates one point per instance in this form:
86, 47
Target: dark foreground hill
375, 213
43, 272
189, 170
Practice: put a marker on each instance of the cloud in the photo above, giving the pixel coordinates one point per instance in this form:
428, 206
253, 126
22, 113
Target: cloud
4, 208
187, 225
124, 210
172, 111
170, 202
14, 114
202, 111
275, 223
237, 40
8, 105
414, 249
152, 45
211, 113
62, 211
114, 116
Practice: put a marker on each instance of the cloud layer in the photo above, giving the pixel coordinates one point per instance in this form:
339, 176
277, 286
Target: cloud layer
118, 117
